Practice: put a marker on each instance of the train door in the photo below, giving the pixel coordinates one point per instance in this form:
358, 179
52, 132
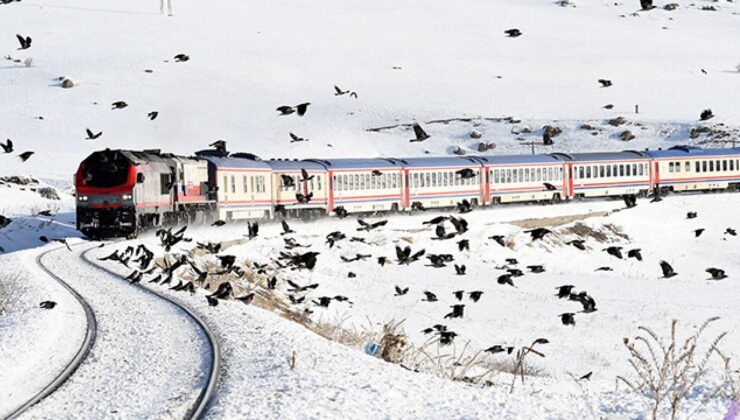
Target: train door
486, 187
406, 188
568, 181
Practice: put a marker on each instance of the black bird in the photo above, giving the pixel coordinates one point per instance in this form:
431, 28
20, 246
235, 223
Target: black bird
24, 41
515, 272
537, 269
134, 277
404, 256
181, 58
287, 180
512, 261
667, 270
296, 301
564, 291
463, 244
272, 283
212, 301
460, 224
296, 139
401, 292
698, 232
304, 198
341, 212
429, 297
218, 223
286, 228
299, 109
418, 205
437, 261
464, 207
227, 261
63, 241
91, 135
549, 186
568, 318
247, 299
305, 177
8, 146
499, 239
457, 312
334, 237
513, 33
630, 201
119, 105
587, 376
499, 349
538, 233
646, 4
253, 230
505, 279
446, 337
475, 295
153, 115
716, 273
466, 173
339, 92
223, 291
605, 82
382, 261
460, 269
219, 145
604, 269
459, 294
25, 155
731, 232
370, 226
615, 251
608, 106
691, 215
420, 134
376, 173
441, 233
323, 301
47, 304
578, 243
634, 253
588, 303
435, 221
706, 115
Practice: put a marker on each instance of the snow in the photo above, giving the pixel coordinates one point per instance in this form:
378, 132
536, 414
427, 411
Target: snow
411, 61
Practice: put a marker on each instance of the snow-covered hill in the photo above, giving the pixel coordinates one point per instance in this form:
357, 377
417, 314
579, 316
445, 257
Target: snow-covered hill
409, 61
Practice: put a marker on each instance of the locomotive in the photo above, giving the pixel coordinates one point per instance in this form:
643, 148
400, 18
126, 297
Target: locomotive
122, 192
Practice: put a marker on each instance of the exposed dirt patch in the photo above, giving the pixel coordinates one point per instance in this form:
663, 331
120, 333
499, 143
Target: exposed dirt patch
556, 221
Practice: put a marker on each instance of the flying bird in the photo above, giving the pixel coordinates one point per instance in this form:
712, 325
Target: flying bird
586, 377
698, 232
299, 109
475, 295
564, 291
634, 253
463, 245
460, 269
513, 33
296, 139
499, 239
578, 243
91, 135
419, 133
118, 105
457, 312
181, 58
691, 215
370, 226
24, 41
25, 155
429, 297
47, 304
605, 82
538, 233
153, 115
568, 318
667, 270
400, 291
339, 92
7, 146
614, 251
716, 273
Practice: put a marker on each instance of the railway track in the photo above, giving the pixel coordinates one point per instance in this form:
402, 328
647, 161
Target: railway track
210, 368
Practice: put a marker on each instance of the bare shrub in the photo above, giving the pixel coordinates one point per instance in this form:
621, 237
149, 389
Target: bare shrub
665, 369
449, 362
732, 378
521, 356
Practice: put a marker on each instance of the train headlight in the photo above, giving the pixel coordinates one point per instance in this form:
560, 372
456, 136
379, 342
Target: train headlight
127, 196
82, 198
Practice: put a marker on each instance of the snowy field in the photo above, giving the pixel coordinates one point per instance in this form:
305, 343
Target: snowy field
446, 65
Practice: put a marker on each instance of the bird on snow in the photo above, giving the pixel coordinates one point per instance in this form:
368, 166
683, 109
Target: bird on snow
698, 232
731, 232
286, 228
716, 273
460, 269
706, 115
615, 251
419, 133
47, 304
499, 239
457, 312
564, 291
429, 297
435, 221
538, 233
646, 4
464, 206
568, 318
505, 279
634, 253
370, 226
341, 212
152, 115
463, 245
536, 269
118, 105
578, 243
691, 215
476, 295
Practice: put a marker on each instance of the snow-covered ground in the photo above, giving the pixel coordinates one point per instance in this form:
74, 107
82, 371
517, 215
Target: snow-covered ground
412, 61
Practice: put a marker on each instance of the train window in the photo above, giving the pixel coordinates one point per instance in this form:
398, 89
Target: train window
698, 167
602, 172
233, 184
357, 182
362, 185
226, 179
581, 172
426, 181
732, 165
367, 181
507, 175
560, 174
724, 165
351, 182
244, 184
608, 171
515, 176
717, 166
670, 166
711, 166
628, 170
496, 176
588, 172
434, 179
449, 176
687, 167
318, 182
396, 181
164, 183
336, 182
261, 184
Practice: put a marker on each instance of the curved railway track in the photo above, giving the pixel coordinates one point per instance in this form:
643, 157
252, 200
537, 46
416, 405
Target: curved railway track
207, 391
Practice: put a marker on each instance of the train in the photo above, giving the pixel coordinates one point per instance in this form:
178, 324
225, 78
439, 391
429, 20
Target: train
123, 192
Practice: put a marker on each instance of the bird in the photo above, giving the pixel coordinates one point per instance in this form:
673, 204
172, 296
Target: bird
512, 261
538, 233
458, 294
466, 173
691, 215
549, 186
441, 233
299, 109
446, 337
586, 377
429, 297
464, 206
418, 205
605, 82
7, 146
588, 303
513, 33
24, 41
47, 304
435, 221
716, 273
499, 239
505, 279
604, 269
286, 228
305, 177
578, 243
181, 58
223, 291
460, 224
706, 115
153, 115
304, 198
118, 105
400, 291
608, 106
703, 71
460, 269
698, 232
295, 139
25, 155
287, 180
568, 318
91, 135
252, 230
457, 312
564, 291
404, 256
615, 251
212, 301
536, 269
634, 253
376, 172
667, 270
339, 92
463, 244
419, 133
382, 261
731, 232
646, 4
218, 223
340, 211
476, 295
370, 226
499, 349
63, 241
272, 283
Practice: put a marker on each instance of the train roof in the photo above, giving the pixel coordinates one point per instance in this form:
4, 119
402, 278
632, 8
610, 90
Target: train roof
691, 151
438, 161
230, 162
603, 156
514, 159
372, 163
295, 165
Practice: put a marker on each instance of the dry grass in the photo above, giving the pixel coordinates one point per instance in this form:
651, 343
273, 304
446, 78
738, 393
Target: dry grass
666, 370
555, 221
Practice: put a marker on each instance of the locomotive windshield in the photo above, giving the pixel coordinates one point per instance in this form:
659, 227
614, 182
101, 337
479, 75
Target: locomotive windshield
105, 170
